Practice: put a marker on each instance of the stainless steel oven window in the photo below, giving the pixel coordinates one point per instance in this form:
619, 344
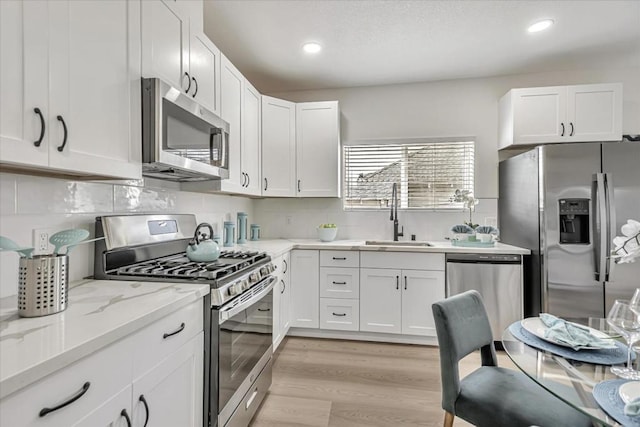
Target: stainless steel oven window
242, 342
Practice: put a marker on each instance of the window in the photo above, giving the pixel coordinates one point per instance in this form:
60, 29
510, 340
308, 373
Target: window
427, 174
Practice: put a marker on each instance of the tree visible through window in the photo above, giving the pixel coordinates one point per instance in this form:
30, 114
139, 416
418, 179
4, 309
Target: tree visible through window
427, 174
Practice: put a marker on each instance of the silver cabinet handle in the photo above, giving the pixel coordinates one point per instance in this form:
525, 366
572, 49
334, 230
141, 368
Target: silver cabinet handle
339, 314
397, 282
405, 283
339, 283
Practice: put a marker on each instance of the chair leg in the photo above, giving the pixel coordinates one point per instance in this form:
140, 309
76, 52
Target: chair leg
448, 419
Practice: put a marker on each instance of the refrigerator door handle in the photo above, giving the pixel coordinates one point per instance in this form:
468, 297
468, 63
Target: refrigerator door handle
599, 217
611, 224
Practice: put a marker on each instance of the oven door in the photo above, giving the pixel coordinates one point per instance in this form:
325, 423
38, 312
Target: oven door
245, 337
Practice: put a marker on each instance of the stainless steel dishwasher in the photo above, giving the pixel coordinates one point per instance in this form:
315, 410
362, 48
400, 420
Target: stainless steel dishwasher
498, 278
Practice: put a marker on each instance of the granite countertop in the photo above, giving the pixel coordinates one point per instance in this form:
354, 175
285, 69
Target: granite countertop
98, 314
277, 247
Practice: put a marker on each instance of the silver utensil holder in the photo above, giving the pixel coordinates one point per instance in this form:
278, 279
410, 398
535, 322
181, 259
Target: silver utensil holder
43, 285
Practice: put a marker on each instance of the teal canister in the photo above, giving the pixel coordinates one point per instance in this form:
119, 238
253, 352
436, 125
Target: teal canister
242, 227
229, 233
255, 232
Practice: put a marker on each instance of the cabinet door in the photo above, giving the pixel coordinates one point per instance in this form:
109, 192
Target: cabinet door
277, 296
231, 111
278, 147
305, 292
24, 55
317, 149
285, 300
251, 139
380, 300
173, 389
594, 112
539, 115
165, 42
95, 87
204, 66
110, 414
420, 289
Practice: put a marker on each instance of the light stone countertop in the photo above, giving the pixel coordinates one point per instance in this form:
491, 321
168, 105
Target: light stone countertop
99, 313
277, 247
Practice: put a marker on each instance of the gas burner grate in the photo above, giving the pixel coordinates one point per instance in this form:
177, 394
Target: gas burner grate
179, 266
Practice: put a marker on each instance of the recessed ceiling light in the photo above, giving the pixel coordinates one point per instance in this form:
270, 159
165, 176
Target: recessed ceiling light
540, 25
312, 47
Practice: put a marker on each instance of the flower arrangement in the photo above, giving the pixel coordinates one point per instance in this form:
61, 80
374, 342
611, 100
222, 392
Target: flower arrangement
628, 245
466, 197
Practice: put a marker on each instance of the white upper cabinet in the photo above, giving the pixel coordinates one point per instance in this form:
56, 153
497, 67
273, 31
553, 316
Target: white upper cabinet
24, 85
317, 149
231, 84
165, 42
176, 50
278, 147
561, 114
300, 148
71, 87
251, 139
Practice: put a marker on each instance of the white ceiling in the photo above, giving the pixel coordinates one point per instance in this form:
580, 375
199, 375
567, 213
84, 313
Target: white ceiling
377, 42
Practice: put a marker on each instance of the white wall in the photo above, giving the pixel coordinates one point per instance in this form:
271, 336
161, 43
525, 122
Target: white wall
28, 202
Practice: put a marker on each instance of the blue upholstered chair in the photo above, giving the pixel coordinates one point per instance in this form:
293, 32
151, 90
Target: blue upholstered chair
490, 396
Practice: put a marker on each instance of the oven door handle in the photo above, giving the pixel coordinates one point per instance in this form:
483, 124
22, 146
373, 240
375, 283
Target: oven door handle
229, 313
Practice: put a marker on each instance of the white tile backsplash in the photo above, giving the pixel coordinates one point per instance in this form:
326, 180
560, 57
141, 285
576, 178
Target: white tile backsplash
30, 202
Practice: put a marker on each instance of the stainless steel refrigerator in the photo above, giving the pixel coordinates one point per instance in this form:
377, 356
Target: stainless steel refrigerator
566, 203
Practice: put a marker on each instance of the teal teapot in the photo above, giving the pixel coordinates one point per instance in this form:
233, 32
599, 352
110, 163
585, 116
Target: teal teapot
202, 248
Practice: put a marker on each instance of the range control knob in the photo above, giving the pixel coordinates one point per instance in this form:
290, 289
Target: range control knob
264, 271
232, 290
244, 285
254, 278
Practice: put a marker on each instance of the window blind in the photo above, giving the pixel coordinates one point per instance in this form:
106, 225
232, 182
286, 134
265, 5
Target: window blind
427, 174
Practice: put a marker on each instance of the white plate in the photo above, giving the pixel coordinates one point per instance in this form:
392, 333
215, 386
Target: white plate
629, 391
537, 328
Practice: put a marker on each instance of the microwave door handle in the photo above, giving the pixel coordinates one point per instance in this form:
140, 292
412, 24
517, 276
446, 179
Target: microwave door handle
228, 314
610, 224
599, 225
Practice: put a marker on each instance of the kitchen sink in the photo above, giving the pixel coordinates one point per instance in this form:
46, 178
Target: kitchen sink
393, 243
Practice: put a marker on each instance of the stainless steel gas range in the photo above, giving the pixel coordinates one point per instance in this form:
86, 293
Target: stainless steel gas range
238, 323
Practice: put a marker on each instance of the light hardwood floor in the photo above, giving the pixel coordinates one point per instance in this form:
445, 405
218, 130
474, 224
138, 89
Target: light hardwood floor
322, 382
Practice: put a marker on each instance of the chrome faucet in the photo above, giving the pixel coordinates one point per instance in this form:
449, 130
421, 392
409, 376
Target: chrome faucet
394, 212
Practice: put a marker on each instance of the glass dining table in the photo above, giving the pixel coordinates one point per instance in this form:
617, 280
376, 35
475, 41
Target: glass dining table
568, 380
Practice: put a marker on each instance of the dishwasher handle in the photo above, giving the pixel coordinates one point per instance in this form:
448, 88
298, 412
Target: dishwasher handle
483, 258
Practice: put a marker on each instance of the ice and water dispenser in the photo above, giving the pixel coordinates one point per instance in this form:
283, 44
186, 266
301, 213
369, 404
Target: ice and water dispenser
574, 221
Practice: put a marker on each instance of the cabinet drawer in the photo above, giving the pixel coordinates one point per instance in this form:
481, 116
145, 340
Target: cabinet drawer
403, 260
106, 372
157, 341
339, 282
341, 314
339, 258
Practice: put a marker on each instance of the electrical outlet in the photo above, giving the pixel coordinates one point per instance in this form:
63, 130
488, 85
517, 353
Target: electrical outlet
41, 241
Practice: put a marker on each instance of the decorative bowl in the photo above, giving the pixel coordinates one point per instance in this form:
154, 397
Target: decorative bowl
327, 234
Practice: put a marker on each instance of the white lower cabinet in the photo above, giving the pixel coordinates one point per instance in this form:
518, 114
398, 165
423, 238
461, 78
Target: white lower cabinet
281, 300
398, 301
305, 288
339, 313
103, 389
171, 393
113, 413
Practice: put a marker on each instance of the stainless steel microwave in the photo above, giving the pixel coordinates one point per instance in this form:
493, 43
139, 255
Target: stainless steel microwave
181, 140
